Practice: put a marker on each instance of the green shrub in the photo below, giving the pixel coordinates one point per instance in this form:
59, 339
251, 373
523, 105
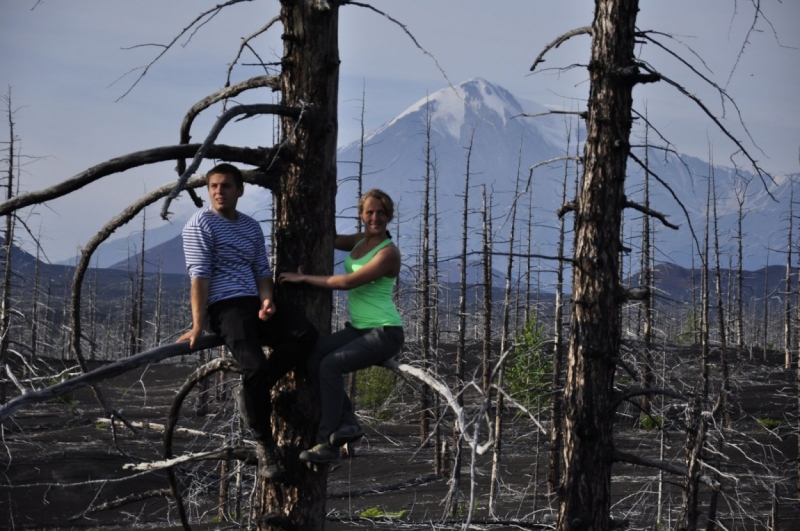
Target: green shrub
374, 512
374, 389
529, 368
651, 422
769, 423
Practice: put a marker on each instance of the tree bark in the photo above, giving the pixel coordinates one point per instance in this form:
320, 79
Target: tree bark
304, 233
594, 321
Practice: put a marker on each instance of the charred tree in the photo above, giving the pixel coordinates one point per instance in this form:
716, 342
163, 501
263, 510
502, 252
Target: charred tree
594, 321
461, 342
304, 234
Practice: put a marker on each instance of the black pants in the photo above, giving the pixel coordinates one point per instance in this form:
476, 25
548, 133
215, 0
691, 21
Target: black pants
343, 352
289, 334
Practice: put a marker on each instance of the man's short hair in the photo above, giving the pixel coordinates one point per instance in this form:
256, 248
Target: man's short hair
229, 170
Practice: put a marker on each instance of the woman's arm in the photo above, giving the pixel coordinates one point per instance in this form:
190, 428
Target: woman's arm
385, 263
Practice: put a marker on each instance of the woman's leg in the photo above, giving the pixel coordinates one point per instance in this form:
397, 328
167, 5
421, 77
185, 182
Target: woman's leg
371, 348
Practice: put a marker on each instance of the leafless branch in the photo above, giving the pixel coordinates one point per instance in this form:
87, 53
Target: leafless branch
246, 43
247, 110
120, 502
407, 32
251, 156
652, 213
208, 101
561, 39
674, 196
198, 21
241, 453
107, 371
761, 173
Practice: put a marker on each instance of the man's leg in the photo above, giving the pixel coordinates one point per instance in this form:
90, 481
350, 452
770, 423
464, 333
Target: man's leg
291, 338
236, 321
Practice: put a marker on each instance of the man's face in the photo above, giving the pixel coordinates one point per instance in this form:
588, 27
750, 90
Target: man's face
223, 194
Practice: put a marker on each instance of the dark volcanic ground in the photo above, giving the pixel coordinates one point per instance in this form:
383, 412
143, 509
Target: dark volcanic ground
59, 462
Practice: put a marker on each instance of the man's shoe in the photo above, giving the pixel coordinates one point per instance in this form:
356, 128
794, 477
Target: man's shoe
347, 433
269, 471
267, 464
321, 453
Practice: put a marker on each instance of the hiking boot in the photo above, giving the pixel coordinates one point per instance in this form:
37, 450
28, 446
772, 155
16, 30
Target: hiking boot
267, 463
321, 453
347, 433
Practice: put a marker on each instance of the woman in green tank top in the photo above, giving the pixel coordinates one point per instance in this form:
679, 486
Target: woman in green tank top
375, 330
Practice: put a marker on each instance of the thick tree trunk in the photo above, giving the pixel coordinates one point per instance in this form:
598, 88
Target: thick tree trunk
304, 234
594, 321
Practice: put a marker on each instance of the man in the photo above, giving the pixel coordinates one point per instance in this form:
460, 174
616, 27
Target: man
233, 292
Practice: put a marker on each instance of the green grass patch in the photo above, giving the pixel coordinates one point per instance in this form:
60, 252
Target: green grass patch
374, 512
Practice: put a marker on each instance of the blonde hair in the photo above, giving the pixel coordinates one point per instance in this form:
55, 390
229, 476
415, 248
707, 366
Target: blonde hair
380, 195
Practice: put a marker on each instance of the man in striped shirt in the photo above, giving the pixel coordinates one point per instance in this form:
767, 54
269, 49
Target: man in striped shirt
233, 293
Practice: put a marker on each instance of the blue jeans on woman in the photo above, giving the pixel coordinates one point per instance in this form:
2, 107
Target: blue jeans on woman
343, 352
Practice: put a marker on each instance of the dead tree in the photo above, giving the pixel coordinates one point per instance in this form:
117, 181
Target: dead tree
486, 255
8, 244
647, 282
424, 295
461, 341
722, 333
505, 347
787, 291
595, 338
740, 189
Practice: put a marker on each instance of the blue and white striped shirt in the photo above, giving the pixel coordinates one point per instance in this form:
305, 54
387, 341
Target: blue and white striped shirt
230, 254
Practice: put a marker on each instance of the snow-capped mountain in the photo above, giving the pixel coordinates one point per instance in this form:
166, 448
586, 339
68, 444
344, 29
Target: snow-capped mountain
505, 143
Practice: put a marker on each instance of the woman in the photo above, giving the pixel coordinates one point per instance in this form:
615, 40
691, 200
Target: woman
375, 330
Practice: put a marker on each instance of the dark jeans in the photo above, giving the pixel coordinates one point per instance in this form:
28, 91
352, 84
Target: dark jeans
343, 352
289, 334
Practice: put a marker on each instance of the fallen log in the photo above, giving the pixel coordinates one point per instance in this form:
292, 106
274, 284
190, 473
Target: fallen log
108, 371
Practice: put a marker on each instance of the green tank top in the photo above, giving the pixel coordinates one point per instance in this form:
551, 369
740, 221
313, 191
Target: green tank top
371, 305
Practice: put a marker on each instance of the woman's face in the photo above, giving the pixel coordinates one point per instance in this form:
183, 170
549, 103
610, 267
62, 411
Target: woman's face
374, 216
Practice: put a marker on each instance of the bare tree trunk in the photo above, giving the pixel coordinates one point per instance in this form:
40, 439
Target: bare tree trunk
505, 345
765, 320
138, 340
425, 339
723, 341
646, 278
8, 244
594, 321
461, 343
740, 198
787, 322
35, 310
486, 253
304, 234
554, 464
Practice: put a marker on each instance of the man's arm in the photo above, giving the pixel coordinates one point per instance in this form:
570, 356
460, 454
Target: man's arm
266, 292
199, 301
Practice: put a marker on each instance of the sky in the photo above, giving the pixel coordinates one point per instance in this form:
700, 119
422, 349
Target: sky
71, 69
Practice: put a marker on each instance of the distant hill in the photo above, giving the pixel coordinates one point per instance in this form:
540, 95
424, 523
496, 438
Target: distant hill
674, 283
165, 257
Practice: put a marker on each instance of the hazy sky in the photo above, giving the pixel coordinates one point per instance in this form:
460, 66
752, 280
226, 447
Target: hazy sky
61, 60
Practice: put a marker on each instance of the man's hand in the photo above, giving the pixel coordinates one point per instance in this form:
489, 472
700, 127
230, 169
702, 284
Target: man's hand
267, 309
191, 336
